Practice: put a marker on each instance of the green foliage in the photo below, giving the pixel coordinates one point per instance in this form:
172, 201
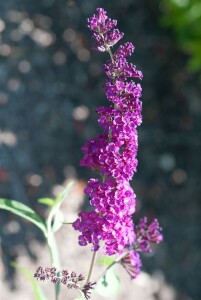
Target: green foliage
108, 285
55, 208
46, 201
106, 260
36, 288
53, 223
23, 211
58, 221
184, 17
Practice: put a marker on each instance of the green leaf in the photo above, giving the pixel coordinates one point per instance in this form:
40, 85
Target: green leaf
37, 290
65, 192
23, 211
106, 260
46, 201
57, 204
108, 285
58, 221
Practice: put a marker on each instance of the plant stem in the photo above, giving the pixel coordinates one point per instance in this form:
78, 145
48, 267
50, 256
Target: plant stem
112, 264
91, 267
54, 259
110, 53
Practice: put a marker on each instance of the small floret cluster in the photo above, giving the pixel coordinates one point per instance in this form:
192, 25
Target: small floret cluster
113, 155
70, 280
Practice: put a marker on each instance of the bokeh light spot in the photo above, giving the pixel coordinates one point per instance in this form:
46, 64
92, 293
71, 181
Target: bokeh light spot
24, 66
15, 16
34, 180
167, 162
2, 25
26, 26
3, 98
81, 113
59, 58
8, 138
13, 84
69, 35
179, 176
11, 228
83, 55
16, 35
5, 50
42, 37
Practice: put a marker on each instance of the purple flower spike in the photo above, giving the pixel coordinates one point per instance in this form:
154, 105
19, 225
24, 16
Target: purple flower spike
113, 155
113, 36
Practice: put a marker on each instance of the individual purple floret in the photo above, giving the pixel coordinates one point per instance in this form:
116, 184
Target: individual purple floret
113, 154
124, 50
121, 69
132, 263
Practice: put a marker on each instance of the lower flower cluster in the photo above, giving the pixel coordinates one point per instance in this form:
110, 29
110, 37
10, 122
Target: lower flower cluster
116, 232
70, 280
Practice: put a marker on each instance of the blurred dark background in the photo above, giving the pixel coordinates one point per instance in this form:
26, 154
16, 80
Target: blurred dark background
50, 86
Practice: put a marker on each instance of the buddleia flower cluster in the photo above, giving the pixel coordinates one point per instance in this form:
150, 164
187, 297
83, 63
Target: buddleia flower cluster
70, 279
113, 155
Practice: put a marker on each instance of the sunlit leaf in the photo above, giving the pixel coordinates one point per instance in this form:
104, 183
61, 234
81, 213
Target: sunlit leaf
46, 201
58, 221
23, 211
106, 260
57, 204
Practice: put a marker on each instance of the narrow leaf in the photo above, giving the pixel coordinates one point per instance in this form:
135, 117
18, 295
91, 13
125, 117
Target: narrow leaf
58, 221
37, 290
46, 201
23, 211
57, 204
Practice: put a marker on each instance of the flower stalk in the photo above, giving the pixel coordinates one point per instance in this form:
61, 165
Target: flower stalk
91, 266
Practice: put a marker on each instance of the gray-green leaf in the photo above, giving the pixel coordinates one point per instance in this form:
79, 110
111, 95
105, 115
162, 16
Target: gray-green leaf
23, 211
57, 204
